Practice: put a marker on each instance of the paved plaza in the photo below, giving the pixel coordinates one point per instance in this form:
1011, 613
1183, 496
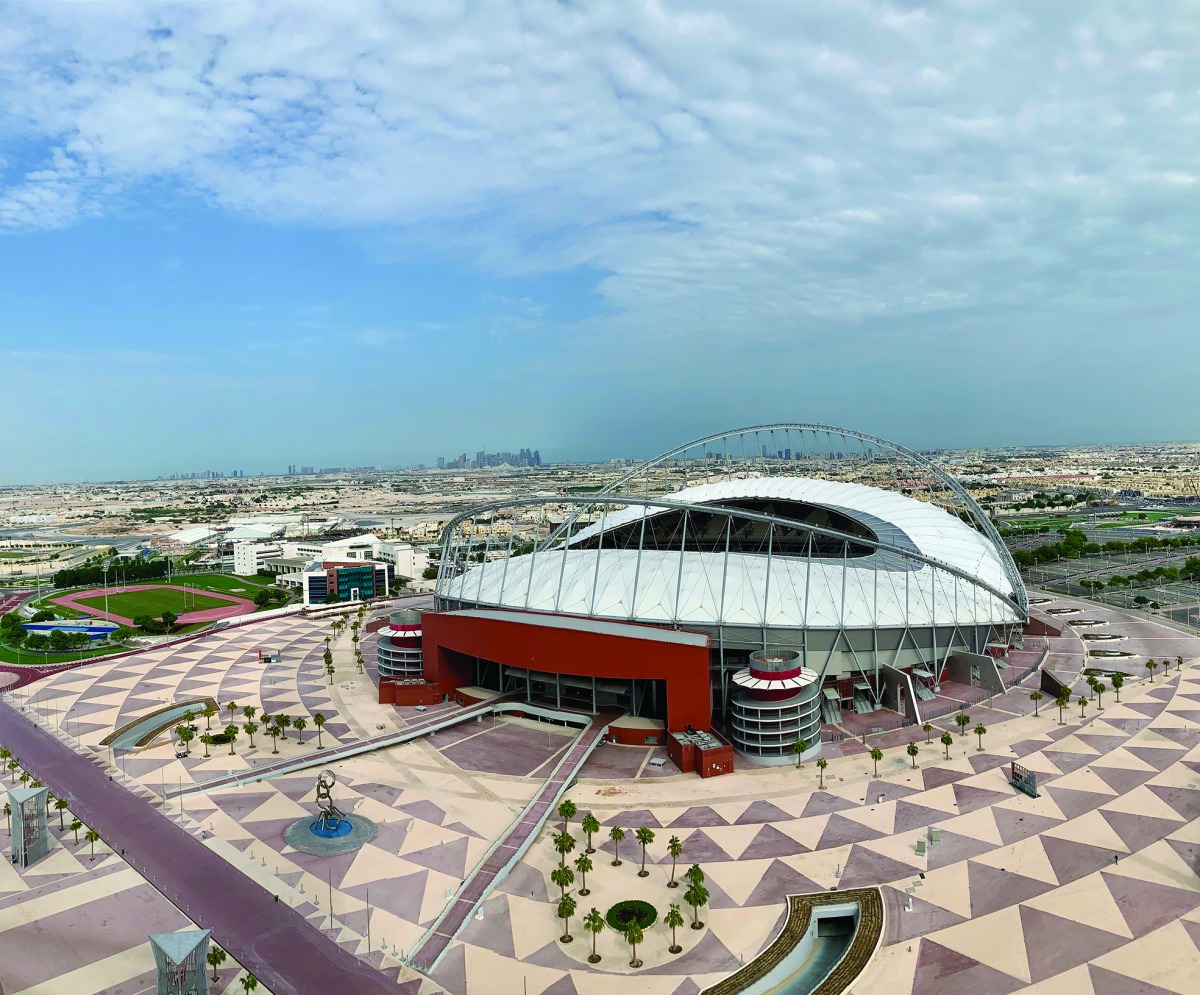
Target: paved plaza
1090, 888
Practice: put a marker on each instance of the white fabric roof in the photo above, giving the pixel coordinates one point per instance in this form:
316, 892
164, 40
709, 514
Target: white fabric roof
883, 590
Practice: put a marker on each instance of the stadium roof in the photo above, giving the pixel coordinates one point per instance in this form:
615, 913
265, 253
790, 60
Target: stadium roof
887, 588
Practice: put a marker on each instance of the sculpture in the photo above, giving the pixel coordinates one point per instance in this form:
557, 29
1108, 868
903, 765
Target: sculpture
330, 819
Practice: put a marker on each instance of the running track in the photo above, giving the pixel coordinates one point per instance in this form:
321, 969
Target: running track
273, 941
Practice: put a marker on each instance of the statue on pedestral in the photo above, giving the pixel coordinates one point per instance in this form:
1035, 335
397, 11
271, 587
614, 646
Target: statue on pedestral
330, 818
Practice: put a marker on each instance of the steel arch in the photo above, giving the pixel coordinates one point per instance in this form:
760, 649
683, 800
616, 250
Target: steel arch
978, 514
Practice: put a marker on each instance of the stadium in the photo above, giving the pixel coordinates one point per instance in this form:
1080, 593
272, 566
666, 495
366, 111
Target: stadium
753, 584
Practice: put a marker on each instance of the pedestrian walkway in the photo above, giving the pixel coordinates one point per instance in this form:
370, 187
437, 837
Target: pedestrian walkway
344, 751
507, 851
286, 952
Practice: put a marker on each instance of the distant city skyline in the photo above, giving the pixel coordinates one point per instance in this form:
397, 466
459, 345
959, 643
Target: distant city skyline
228, 227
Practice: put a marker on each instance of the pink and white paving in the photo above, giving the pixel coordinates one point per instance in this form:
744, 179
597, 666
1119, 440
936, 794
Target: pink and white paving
1090, 888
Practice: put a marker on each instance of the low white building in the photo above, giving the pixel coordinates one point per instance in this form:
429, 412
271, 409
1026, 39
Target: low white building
286, 557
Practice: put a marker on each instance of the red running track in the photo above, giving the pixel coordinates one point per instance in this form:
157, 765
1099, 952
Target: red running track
239, 606
270, 939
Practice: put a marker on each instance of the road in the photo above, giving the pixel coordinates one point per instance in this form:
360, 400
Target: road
483, 878
270, 939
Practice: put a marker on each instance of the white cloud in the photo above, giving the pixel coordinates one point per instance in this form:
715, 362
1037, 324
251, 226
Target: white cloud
732, 169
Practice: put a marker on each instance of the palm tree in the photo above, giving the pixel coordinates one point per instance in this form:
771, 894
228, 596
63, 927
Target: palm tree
962, 720
251, 728
1178, 664
318, 721
24, 778
564, 877
1101, 687
5, 754
300, 724
927, 728
1091, 683
1035, 697
215, 958
249, 712
980, 731
358, 659
91, 836
1063, 701
694, 875
912, 750
583, 864
593, 922
673, 920
634, 935
50, 796
876, 755
274, 731
232, 733
60, 806
185, 735
1151, 666
232, 708
1118, 682
590, 825
8, 816
1082, 704
329, 672
675, 849
645, 837
328, 657
697, 897
284, 722
75, 826
208, 714
616, 834
249, 983
566, 909
947, 742
12, 766
800, 747
821, 765
564, 843
566, 811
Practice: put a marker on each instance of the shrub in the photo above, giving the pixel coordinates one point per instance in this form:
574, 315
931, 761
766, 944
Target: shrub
622, 915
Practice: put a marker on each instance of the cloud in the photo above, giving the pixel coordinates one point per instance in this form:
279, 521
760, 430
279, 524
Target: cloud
747, 171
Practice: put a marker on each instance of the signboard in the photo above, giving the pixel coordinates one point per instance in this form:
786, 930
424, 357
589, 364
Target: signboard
1024, 780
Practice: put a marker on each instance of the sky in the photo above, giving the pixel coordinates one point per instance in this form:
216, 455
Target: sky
244, 235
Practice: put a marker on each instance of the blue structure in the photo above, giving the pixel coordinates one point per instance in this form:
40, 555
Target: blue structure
95, 630
27, 824
181, 961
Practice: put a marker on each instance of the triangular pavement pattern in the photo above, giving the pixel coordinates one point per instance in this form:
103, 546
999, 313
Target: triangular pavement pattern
698, 817
925, 917
994, 888
778, 881
1056, 944
1145, 905
839, 831
824, 803
762, 811
1139, 831
770, 842
942, 971
865, 868
1106, 982
1073, 860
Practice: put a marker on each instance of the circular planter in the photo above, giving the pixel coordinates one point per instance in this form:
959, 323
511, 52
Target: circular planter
624, 914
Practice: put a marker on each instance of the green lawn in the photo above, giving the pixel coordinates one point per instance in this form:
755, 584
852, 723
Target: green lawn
243, 587
153, 602
34, 658
15, 554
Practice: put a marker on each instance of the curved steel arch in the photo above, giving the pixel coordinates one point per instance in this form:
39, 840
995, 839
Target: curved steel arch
976, 512
448, 538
